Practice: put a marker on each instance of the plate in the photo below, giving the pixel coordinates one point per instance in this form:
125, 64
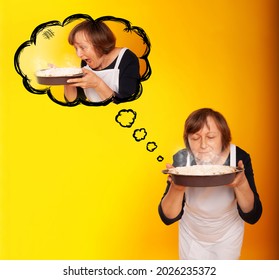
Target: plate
207, 180
45, 77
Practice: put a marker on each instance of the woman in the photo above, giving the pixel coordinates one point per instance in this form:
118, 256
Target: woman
110, 73
211, 218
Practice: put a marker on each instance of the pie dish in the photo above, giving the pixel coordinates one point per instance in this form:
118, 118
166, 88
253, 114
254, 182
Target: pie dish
57, 76
203, 175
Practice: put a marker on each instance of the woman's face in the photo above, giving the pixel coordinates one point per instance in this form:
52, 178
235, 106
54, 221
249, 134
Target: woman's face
206, 144
86, 51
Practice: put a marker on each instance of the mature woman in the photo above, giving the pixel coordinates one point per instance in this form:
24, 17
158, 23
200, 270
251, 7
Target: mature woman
211, 218
110, 73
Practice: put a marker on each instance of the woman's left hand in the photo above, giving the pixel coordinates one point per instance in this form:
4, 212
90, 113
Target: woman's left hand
240, 177
242, 190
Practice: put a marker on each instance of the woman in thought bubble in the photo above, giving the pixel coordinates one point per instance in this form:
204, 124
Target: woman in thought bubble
110, 73
211, 217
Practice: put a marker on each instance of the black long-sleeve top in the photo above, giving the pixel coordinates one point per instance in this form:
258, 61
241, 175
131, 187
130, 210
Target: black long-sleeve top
179, 159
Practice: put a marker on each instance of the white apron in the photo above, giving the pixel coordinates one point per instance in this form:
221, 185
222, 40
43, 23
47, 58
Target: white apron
109, 76
211, 227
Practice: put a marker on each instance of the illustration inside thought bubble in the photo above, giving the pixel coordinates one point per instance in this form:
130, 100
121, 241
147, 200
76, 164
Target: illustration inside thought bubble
48, 47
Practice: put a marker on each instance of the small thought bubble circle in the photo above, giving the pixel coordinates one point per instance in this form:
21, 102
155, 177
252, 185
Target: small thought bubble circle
140, 134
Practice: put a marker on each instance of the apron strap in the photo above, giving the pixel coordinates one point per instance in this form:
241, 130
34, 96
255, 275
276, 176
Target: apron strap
122, 51
188, 161
232, 155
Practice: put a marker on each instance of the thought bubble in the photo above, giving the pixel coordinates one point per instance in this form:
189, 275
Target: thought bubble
139, 134
48, 45
126, 118
151, 146
160, 158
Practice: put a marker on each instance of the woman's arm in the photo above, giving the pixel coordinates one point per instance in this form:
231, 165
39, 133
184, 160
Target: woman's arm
129, 81
171, 206
248, 200
172, 203
91, 80
70, 93
243, 192
129, 78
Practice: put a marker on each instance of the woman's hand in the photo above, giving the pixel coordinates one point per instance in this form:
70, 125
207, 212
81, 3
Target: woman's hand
88, 80
242, 190
240, 178
91, 80
173, 185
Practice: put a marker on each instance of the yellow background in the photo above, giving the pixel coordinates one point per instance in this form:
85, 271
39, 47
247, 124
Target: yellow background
76, 185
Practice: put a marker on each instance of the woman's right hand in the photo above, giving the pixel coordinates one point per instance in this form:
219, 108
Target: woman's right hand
91, 80
88, 80
173, 185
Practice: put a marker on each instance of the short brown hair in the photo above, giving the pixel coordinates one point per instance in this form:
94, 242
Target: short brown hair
197, 119
98, 33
